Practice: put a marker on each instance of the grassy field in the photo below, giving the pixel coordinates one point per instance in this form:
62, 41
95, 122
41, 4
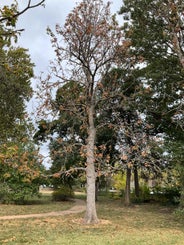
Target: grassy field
146, 224
41, 205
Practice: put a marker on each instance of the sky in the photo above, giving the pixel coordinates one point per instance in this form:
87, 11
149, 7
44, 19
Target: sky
35, 39
35, 21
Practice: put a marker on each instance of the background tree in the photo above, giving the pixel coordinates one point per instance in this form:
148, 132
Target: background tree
155, 30
69, 135
16, 72
160, 53
20, 170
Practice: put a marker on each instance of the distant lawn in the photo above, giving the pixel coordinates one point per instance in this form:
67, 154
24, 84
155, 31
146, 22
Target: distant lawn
34, 206
149, 224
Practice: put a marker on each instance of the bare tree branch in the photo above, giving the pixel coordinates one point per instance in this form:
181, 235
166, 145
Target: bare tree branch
29, 6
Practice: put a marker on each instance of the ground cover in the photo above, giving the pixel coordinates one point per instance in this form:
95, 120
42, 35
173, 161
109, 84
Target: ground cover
146, 224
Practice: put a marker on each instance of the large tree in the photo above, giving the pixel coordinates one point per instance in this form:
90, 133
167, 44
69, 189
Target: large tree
86, 49
18, 157
155, 30
16, 70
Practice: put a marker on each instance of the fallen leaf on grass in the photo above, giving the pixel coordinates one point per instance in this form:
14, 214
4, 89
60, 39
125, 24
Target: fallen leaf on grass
9, 240
101, 222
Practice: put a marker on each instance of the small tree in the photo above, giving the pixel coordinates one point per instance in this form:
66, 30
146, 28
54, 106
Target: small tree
21, 172
88, 49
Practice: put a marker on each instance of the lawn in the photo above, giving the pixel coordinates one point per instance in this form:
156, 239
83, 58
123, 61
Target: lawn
146, 224
41, 205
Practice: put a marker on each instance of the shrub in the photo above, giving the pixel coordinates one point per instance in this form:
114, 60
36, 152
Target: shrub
17, 194
63, 193
144, 194
20, 173
170, 194
4, 193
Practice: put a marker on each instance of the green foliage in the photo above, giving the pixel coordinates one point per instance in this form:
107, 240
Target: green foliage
144, 194
21, 172
16, 71
18, 193
70, 154
162, 69
154, 30
168, 194
63, 193
119, 183
7, 12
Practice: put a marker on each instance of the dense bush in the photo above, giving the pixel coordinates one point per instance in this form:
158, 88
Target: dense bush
4, 193
20, 172
63, 193
167, 194
17, 194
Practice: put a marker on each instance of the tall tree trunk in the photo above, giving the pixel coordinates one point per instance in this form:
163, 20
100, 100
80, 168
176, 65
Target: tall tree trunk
127, 187
136, 181
91, 215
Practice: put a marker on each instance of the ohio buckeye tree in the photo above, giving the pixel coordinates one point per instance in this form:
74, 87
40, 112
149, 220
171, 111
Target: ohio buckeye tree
86, 49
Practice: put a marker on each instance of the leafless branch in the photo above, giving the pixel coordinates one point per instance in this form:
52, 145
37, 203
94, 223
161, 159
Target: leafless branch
66, 172
29, 6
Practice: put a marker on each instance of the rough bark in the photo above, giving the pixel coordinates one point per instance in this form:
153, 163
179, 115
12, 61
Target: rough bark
136, 181
127, 187
91, 215
97, 189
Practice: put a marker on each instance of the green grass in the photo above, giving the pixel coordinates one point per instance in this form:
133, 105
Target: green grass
41, 205
146, 224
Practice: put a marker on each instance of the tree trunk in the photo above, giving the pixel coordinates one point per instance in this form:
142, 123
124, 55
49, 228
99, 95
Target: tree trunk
97, 189
136, 181
127, 187
91, 215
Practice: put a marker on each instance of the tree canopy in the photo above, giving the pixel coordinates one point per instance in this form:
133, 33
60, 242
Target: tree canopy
19, 160
15, 89
155, 30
